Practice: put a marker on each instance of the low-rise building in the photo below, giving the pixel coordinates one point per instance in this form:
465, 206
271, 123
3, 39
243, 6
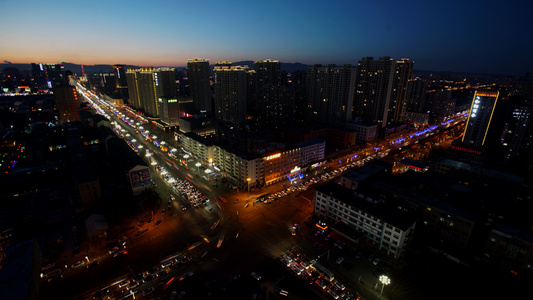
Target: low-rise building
390, 231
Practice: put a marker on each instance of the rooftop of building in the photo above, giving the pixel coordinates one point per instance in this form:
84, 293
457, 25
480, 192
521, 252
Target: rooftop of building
309, 143
17, 271
513, 232
414, 163
368, 170
394, 217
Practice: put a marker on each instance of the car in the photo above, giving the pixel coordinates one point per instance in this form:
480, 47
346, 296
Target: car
120, 253
293, 232
376, 261
123, 239
340, 260
101, 293
256, 276
124, 283
163, 211
166, 263
94, 263
183, 208
341, 245
148, 291
48, 267
186, 275
321, 284
141, 231
158, 222
113, 250
149, 278
150, 220
77, 264
132, 285
173, 295
333, 294
339, 285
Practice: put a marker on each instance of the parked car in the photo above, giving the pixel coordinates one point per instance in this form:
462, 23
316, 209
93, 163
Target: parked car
113, 250
148, 291
256, 276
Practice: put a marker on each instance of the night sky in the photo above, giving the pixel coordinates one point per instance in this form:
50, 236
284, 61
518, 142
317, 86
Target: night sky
458, 36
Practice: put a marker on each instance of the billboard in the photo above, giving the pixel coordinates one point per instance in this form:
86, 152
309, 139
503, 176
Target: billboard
139, 178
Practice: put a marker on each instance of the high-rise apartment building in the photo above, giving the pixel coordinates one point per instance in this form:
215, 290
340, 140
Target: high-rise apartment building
267, 73
231, 85
120, 76
479, 118
168, 110
266, 83
39, 74
198, 72
330, 92
147, 85
109, 83
416, 95
55, 74
381, 90
67, 104
440, 105
373, 89
517, 128
402, 75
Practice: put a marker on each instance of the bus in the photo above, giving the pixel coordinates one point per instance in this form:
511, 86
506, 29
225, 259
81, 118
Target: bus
322, 270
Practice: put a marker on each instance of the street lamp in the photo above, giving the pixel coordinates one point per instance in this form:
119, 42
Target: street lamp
198, 165
248, 180
385, 281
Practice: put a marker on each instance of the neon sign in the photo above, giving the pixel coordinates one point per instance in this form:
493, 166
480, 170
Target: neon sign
273, 156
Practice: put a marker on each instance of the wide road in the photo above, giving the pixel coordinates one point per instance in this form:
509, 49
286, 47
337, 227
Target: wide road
252, 235
226, 239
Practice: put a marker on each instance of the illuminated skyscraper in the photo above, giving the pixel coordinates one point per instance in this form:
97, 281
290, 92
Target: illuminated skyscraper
231, 85
147, 85
479, 119
330, 92
67, 104
198, 74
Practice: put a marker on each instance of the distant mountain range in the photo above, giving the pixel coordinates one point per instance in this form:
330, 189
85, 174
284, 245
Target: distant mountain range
288, 67
76, 68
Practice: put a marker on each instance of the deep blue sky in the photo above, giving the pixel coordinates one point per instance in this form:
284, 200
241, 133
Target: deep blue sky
462, 36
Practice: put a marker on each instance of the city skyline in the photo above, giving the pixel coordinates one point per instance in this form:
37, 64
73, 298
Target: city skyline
436, 37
